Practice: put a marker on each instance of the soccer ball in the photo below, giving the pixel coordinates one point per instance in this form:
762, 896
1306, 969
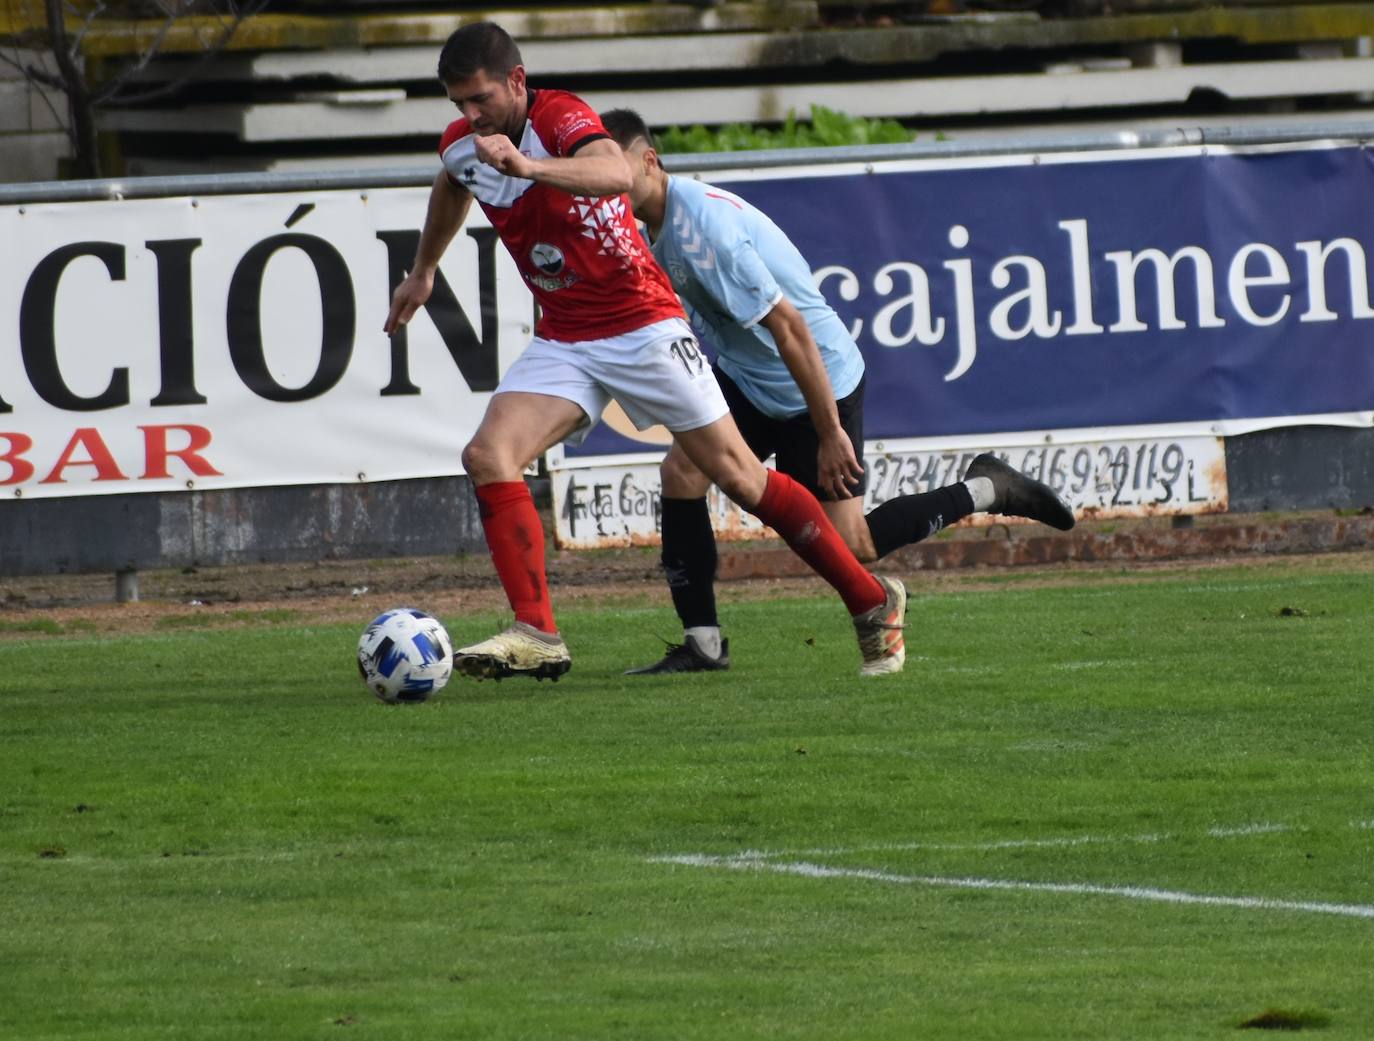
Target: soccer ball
405, 655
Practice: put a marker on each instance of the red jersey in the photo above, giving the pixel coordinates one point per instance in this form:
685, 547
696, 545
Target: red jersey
582, 256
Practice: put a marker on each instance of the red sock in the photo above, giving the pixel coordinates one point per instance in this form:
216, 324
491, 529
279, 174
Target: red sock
793, 512
516, 540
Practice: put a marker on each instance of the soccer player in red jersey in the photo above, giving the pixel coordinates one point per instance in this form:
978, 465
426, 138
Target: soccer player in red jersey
553, 184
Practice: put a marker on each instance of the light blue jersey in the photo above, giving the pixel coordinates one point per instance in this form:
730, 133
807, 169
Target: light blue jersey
731, 265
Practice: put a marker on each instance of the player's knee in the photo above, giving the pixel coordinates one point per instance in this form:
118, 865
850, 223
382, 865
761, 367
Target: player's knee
737, 486
863, 549
481, 462
679, 479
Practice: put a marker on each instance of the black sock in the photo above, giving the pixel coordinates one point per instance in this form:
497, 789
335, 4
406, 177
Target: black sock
911, 518
689, 560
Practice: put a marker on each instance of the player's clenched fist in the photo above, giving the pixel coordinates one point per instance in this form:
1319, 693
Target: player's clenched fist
496, 150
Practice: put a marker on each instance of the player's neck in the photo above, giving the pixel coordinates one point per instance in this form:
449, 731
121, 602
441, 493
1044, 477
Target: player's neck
519, 117
655, 207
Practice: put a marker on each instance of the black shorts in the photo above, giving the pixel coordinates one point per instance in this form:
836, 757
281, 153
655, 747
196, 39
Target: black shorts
794, 440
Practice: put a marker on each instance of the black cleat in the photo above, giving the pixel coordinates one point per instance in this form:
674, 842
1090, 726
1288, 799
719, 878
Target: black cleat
1020, 496
686, 657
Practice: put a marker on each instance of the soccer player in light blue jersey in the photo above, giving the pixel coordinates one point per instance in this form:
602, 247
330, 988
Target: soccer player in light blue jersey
794, 380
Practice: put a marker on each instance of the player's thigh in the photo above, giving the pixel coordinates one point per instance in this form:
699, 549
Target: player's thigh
558, 370
761, 432
682, 478
720, 453
518, 425
848, 517
799, 446
545, 397
659, 375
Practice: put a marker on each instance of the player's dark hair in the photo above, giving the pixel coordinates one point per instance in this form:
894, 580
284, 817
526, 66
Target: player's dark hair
479, 47
626, 126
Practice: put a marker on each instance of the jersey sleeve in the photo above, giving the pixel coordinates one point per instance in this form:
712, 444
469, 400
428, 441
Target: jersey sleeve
564, 122
459, 128
726, 263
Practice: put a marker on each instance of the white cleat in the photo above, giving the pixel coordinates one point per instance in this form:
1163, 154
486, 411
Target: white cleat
522, 650
880, 632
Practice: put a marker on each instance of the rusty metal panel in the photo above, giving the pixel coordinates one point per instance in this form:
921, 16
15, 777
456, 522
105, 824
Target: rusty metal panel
618, 505
599, 507
1100, 478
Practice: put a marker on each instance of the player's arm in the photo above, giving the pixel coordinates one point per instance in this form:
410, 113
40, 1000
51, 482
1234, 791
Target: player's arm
598, 168
448, 208
837, 467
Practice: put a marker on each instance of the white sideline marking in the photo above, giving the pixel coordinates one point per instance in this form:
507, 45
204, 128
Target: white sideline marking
1218, 832
808, 870
1248, 829
996, 844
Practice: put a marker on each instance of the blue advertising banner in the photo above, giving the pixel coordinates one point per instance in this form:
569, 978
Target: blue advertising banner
1152, 289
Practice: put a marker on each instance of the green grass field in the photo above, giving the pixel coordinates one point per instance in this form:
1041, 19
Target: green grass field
1103, 809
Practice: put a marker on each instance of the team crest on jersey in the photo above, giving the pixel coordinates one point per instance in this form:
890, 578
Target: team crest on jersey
547, 258
553, 272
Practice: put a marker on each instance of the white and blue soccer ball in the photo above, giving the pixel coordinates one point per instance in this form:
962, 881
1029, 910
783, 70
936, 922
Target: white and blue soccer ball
405, 655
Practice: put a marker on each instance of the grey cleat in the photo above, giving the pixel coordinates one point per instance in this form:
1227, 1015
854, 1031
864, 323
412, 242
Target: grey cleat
1020, 496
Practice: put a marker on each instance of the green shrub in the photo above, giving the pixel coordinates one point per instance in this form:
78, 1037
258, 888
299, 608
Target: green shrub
825, 128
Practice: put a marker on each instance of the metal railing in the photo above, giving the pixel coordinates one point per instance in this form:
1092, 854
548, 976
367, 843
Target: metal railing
1360, 131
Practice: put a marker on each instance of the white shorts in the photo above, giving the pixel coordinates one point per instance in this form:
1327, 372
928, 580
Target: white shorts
658, 374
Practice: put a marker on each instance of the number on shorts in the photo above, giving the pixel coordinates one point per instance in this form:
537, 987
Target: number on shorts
685, 350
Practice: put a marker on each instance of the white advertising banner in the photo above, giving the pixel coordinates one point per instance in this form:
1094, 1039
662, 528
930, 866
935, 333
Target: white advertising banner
231, 341
235, 341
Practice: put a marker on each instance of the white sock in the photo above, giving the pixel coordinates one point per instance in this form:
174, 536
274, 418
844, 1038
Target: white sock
707, 638
980, 490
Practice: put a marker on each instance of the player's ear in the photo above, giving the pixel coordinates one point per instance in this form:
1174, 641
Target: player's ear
516, 80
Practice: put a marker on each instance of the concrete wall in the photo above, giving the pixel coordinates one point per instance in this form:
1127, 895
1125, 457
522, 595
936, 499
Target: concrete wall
1300, 468
239, 526
32, 139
